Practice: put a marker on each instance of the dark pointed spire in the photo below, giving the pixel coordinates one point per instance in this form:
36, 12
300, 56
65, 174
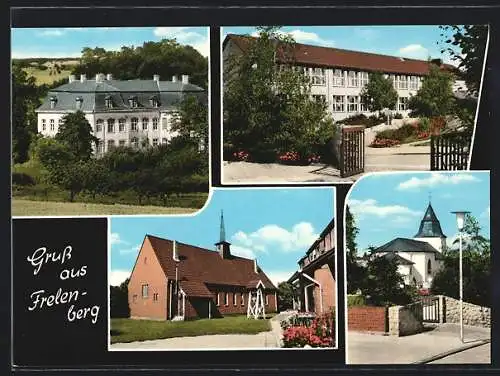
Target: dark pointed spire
429, 225
222, 228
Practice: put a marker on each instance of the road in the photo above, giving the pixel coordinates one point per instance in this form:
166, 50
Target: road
475, 355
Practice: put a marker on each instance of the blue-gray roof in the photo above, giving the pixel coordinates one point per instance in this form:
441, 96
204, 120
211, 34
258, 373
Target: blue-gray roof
430, 226
93, 94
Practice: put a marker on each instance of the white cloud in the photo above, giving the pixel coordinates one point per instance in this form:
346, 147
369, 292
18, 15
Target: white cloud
184, 35
202, 47
486, 213
126, 251
277, 276
243, 252
369, 207
114, 238
301, 36
276, 238
116, 277
51, 33
416, 51
436, 179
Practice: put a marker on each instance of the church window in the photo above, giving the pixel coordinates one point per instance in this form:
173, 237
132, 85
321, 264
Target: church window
145, 291
267, 299
134, 298
226, 299
218, 299
242, 299
235, 299
155, 297
429, 267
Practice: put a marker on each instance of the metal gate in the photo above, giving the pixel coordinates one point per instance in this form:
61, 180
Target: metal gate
430, 309
450, 151
352, 150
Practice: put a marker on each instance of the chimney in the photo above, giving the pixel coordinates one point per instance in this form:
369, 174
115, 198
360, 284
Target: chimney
175, 252
79, 101
83, 78
109, 77
156, 77
185, 79
53, 101
255, 266
72, 78
99, 78
174, 78
223, 247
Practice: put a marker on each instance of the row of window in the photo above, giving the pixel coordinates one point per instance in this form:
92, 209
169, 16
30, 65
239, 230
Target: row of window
353, 103
132, 102
134, 142
52, 124
134, 125
145, 295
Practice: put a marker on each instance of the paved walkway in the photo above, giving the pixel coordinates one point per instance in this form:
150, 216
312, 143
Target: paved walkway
381, 349
270, 339
475, 355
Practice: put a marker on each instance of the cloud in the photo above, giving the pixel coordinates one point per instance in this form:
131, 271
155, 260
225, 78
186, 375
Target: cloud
116, 277
369, 207
43, 54
414, 51
402, 221
276, 238
307, 37
184, 35
51, 33
436, 179
115, 238
243, 252
486, 213
277, 276
130, 250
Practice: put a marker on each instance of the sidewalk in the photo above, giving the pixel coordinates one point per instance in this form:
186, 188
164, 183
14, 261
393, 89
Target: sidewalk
383, 349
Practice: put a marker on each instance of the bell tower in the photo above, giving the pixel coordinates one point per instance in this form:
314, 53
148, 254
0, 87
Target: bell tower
223, 247
430, 230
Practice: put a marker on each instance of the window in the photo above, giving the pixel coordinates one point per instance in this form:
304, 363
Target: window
108, 102
218, 299
122, 143
111, 125
267, 299
135, 142
352, 79
132, 101
121, 125
235, 299
402, 103
319, 98
413, 83
164, 140
145, 291
155, 297
226, 299
133, 124
338, 103
134, 298
44, 124
403, 82
111, 144
364, 78
352, 103
98, 125
100, 147
318, 76
363, 107
242, 299
52, 125
155, 124
338, 78
429, 267
155, 142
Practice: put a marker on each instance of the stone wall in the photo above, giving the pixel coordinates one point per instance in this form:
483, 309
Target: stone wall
366, 318
473, 314
405, 320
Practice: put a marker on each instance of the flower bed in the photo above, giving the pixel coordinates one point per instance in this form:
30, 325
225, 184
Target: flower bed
417, 131
384, 143
309, 331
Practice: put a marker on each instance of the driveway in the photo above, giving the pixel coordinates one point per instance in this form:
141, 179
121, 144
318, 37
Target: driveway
365, 348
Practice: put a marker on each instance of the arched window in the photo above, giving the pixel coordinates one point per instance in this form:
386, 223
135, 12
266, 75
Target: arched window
429, 267
145, 122
98, 125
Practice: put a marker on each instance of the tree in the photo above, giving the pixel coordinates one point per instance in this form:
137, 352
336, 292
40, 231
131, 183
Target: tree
476, 267
192, 120
286, 295
379, 93
471, 43
435, 97
267, 101
119, 307
76, 133
25, 98
356, 274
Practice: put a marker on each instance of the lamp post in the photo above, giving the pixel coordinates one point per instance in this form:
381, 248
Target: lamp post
177, 285
460, 216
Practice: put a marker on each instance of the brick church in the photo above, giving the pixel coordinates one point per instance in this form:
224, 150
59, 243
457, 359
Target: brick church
176, 281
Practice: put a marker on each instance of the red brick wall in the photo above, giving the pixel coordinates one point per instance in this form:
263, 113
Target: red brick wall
148, 271
365, 318
324, 276
230, 308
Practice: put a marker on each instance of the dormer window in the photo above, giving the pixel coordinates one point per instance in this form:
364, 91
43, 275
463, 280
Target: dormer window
108, 101
153, 101
132, 101
79, 101
53, 101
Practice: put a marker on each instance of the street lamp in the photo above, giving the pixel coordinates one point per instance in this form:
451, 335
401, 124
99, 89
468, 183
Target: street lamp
460, 216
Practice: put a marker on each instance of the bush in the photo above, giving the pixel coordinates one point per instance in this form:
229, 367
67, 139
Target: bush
319, 333
355, 300
361, 119
384, 143
398, 116
424, 124
20, 178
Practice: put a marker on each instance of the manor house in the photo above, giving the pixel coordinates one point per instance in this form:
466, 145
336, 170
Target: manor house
121, 113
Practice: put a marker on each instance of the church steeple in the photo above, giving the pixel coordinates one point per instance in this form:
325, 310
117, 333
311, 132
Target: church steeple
429, 225
223, 247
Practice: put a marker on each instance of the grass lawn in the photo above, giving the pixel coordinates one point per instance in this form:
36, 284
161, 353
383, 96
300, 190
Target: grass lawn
44, 76
22, 207
128, 330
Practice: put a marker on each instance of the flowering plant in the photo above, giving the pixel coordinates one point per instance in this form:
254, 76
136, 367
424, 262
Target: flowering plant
289, 157
318, 333
241, 156
384, 143
423, 135
313, 158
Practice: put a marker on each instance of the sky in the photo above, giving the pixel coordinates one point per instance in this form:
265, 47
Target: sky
69, 42
415, 41
276, 226
386, 206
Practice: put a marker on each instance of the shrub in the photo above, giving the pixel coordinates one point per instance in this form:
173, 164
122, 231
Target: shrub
384, 143
20, 178
399, 134
398, 116
290, 157
355, 300
241, 156
319, 333
362, 120
424, 124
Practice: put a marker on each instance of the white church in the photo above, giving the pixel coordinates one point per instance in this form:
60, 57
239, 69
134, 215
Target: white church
419, 258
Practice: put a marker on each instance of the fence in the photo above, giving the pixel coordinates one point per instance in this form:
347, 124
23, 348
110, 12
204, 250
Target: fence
430, 309
352, 150
450, 151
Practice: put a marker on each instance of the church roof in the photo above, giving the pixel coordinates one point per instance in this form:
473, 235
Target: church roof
407, 245
430, 226
199, 267
400, 260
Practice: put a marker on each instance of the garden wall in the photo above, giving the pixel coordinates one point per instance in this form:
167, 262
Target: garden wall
367, 318
405, 320
473, 314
